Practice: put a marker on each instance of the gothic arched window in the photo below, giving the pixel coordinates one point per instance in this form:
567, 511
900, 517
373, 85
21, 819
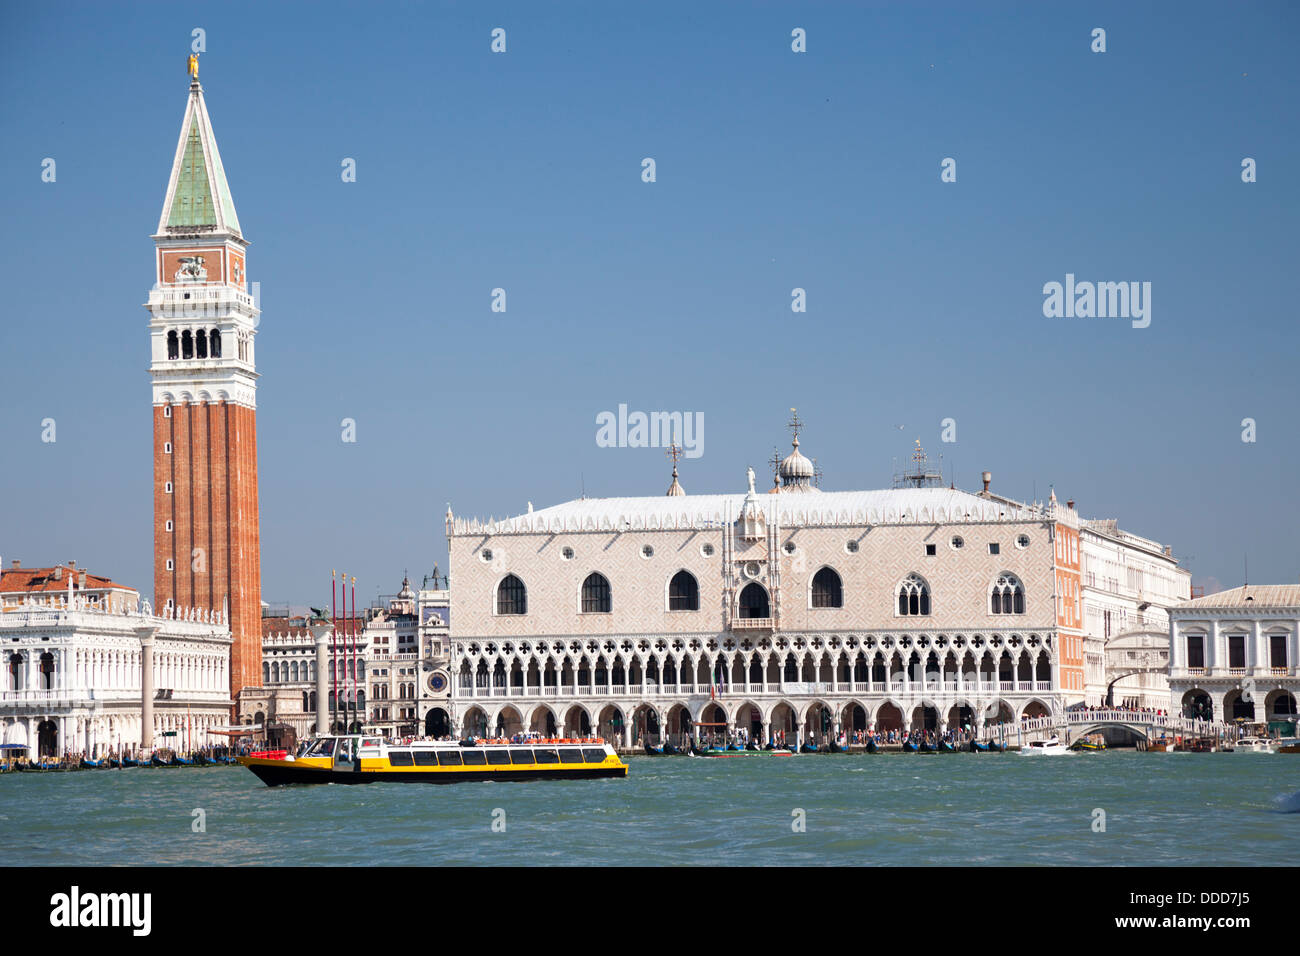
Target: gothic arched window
512, 597
827, 591
1008, 595
913, 596
683, 592
595, 594
753, 601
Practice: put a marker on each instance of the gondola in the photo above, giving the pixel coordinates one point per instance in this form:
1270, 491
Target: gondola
996, 747
157, 760
88, 764
946, 747
928, 748
179, 761
978, 748
670, 750
871, 745
836, 748
653, 751
807, 748
752, 745
130, 762
114, 763
909, 747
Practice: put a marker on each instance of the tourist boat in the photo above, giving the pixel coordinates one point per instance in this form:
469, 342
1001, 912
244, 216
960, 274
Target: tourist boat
367, 759
1255, 745
1052, 746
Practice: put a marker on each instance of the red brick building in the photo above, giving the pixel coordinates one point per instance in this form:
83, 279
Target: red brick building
203, 322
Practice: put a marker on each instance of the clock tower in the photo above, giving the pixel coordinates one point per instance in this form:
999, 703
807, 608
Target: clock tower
202, 326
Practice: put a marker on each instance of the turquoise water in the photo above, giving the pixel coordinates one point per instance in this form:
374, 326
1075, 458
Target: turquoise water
914, 809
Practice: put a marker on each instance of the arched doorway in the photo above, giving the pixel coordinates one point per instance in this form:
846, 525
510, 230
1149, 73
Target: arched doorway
961, 717
1036, 708
820, 722
925, 717
645, 724
1197, 705
1280, 705
47, 739
543, 722
1237, 707
889, 717
854, 717
610, 725
475, 723
437, 724
750, 719
576, 722
509, 722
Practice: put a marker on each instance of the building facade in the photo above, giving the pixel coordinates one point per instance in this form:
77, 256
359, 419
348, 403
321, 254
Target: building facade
1233, 655
798, 612
1129, 584
288, 693
85, 677
202, 327
434, 690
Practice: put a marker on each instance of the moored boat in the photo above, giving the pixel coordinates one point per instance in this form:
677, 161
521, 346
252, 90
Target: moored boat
872, 746
1051, 746
909, 747
978, 748
652, 751
359, 759
1255, 745
946, 746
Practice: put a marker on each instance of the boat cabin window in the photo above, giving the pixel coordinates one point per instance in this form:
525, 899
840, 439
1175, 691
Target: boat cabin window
449, 758
426, 758
497, 757
570, 755
474, 758
547, 755
594, 755
370, 742
322, 748
399, 758
521, 756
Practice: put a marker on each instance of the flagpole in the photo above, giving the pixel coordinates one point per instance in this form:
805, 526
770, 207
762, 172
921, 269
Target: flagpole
355, 695
334, 613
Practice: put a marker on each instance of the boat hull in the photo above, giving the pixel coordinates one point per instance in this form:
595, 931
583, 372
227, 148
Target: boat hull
275, 773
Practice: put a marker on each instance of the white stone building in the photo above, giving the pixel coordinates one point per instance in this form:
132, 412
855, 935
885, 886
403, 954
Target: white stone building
434, 691
1128, 584
798, 611
1234, 654
73, 668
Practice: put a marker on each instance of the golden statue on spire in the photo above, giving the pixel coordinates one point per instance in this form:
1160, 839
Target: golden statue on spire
193, 66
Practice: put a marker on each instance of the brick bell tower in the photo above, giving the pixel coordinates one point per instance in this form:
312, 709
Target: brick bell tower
202, 327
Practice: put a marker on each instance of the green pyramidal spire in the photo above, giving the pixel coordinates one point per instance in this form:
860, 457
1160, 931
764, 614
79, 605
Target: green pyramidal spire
198, 196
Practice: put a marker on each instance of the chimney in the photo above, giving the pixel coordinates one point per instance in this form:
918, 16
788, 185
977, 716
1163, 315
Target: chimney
72, 564
17, 563
81, 580
58, 572
988, 480
1070, 504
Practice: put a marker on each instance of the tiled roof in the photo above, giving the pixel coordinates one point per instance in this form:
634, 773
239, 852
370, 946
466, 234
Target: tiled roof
1248, 596
23, 580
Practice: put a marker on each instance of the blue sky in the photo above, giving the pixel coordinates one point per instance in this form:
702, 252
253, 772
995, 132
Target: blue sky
775, 170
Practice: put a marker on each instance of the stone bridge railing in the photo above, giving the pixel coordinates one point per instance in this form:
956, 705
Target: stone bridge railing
1075, 723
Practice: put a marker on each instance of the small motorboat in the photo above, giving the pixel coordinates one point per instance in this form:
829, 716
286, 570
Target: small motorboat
1255, 745
1051, 746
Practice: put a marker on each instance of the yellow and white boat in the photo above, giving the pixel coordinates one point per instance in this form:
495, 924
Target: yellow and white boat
362, 759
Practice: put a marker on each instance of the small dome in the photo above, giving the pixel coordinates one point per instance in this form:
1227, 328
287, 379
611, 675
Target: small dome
795, 465
406, 591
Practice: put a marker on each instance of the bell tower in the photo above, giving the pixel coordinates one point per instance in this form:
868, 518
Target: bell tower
202, 326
